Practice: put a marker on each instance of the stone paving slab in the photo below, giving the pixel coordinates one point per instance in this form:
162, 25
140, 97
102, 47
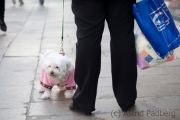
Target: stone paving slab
175, 63
33, 28
55, 42
22, 51
50, 108
169, 102
1, 58
13, 114
17, 64
26, 42
152, 71
5, 42
2, 50
105, 90
131, 116
106, 107
29, 35
171, 70
143, 90
108, 116
16, 78
61, 117
177, 52
106, 70
160, 79
158, 90
51, 35
16, 26
15, 96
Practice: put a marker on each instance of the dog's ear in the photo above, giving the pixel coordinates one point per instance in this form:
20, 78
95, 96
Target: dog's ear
65, 64
68, 65
41, 58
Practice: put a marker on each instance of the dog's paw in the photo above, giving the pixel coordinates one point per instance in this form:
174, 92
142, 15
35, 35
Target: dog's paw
62, 88
45, 96
41, 90
68, 94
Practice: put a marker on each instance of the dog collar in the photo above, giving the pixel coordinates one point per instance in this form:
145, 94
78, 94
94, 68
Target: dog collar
46, 86
50, 87
71, 88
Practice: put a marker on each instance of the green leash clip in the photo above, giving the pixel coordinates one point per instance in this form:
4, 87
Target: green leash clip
62, 35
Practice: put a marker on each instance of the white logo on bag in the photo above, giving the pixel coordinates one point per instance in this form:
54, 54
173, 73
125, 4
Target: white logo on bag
160, 18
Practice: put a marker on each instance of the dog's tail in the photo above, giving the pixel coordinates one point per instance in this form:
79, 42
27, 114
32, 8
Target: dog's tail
41, 58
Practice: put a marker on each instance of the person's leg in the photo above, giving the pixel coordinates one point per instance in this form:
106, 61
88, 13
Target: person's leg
123, 54
21, 2
2, 10
14, 1
89, 18
41, 2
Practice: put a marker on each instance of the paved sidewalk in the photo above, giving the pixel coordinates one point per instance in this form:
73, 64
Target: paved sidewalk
33, 28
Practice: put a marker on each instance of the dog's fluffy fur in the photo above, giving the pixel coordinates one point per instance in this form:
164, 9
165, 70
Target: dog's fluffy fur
57, 67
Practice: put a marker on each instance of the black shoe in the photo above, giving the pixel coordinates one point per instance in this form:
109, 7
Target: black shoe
1, 22
21, 2
41, 2
71, 107
3, 26
126, 109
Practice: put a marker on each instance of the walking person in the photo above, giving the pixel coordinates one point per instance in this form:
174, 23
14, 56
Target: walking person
41, 2
3, 26
90, 16
20, 1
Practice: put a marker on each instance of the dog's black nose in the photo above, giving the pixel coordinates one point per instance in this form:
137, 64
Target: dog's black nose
52, 73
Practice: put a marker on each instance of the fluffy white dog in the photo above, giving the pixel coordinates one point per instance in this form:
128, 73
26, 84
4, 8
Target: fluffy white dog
56, 70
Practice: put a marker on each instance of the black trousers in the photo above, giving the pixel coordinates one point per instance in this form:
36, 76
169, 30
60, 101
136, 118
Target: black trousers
90, 16
2, 9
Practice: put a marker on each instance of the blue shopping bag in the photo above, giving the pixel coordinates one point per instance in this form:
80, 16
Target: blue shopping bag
156, 23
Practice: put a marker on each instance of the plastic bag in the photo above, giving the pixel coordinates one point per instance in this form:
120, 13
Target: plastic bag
146, 55
156, 23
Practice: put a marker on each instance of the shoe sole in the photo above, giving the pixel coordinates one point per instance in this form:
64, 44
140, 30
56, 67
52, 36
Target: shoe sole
71, 107
3, 28
21, 2
13, 1
41, 2
125, 110
1, 22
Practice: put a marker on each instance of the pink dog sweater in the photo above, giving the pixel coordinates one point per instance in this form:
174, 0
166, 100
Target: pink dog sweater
48, 83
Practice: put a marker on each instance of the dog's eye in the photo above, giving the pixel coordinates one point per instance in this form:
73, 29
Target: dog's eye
49, 66
57, 67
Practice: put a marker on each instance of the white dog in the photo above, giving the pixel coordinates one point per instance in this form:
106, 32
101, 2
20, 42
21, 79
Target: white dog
56, 70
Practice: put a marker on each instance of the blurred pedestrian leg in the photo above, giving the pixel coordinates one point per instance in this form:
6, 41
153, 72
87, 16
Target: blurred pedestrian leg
41, 2
14, 1
2, 10
20, 1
